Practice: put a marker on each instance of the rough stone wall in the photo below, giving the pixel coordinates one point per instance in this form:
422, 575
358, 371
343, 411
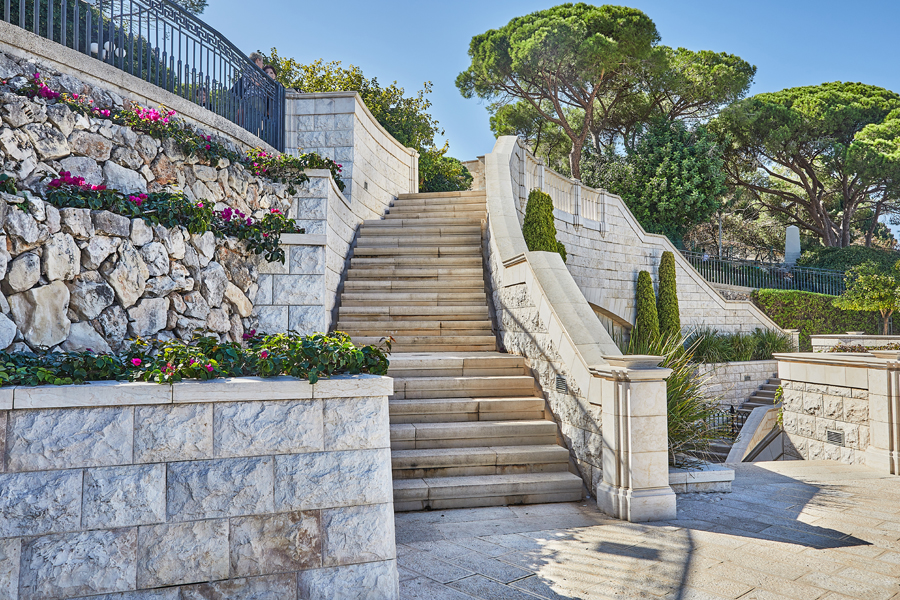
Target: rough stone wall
730, 380
75, 279
221, 494
522, 331
811, 408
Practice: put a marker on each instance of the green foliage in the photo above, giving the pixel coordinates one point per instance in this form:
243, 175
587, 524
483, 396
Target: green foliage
812, 314
672, 180
816, 154
168, 209
306, 357
691, 412
842, 259
667, 301
538, 227
646, 325
406, 118
870, 288
710, 346
7, 183
441, 173
284, 168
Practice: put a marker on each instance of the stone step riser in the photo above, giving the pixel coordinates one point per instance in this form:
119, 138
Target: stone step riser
424, 251
390, 230
465, 312
469, 243
446, 443
466, 471
486, 500
417, 261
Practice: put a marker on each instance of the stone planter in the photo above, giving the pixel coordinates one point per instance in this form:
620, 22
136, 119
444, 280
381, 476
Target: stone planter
224, 488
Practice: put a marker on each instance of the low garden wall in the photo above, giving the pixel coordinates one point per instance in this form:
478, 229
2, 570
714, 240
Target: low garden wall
843, 407
734, 382
234, 488
823, 343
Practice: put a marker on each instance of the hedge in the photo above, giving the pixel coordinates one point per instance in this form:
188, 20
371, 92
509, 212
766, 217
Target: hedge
842, 259
812, 314
646, 325
667, 302
538, 228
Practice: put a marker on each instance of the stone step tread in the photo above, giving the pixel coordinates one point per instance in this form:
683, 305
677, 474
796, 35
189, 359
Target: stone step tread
481, 456
434, 207
384, 271
450, 261
435, 324
513, 384
449, 196
485, 486
403, 337
468, 242
428, 219
467, 405
464, 311
395, 229
471, 429
434, 343
367, 251
389, 303
411, 284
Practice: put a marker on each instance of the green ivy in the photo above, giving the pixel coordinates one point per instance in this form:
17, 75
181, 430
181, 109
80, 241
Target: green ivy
538, 228
812, 314
309, 357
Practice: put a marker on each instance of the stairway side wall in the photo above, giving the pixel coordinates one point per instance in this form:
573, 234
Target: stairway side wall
733, 382
376, 169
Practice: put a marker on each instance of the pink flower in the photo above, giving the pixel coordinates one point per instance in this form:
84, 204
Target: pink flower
207, 146
37, 75
209, 368
136, 362
75, 96
264, 354
200, 205
276, 211
192, 361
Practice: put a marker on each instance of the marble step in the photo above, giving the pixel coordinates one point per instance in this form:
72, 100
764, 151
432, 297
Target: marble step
440, 493
464, 312
446, 343
368, 251
462, 284
485, 386
426, 220
456, 410
489, 460
471, 242
404, 298
470, 434
419, 330
395, 228
456, 364
416, 261
465, 197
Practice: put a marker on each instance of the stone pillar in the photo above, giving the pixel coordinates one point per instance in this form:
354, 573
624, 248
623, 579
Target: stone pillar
795, 338
883, 453
635, 484
576, 192
791, 244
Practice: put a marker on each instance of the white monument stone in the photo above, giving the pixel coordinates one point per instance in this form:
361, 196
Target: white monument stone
791, 245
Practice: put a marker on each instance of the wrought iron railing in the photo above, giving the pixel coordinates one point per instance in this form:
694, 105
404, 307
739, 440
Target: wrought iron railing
757, 274
160, 42
728, 423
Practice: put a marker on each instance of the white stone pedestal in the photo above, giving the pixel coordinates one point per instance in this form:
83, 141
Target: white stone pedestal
635, 484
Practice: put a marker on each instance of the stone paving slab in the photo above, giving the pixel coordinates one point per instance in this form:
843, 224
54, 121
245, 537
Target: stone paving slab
799, 530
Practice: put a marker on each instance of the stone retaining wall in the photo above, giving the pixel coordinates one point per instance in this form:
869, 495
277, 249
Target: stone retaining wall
734, 382
243, 488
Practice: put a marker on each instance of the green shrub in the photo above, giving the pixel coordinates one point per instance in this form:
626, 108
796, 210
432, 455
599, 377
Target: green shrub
538, 227
812, 314
646, 324
691, 412
842, 259
710, 346
307, 357
667, 302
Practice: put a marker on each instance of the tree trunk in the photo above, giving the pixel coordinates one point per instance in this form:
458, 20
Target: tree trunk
871, 230
575, 159
884, 327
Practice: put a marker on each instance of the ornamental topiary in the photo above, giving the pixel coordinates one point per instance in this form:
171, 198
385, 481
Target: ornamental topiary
538, 228
667, 302
646, 325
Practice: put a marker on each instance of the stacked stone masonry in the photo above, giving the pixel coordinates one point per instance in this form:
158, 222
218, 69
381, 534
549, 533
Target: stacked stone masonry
264, 489
76, 279
732, 383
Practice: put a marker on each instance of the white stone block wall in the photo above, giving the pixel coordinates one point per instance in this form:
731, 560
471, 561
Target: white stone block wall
376, 169
242, 488
734, 382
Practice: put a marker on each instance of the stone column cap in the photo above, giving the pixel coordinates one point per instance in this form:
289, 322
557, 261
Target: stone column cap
634, 361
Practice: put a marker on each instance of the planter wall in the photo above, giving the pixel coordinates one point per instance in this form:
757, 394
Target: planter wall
262, 488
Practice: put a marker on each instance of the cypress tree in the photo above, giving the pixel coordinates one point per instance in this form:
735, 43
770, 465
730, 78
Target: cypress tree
538, 227
667, 302
646, 325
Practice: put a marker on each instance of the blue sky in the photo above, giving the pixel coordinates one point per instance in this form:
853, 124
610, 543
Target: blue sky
792, 42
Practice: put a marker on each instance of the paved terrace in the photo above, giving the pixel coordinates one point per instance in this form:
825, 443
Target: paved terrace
805, 530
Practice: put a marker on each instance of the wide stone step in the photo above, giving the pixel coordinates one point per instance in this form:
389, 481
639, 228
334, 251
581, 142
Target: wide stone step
426, 220
444, 343
464, 197
367, 251
464, 387
403, 336
769, 387
401, 298
416, 261
414, 327
456, 364
391, 228
384, 271
492, 460
456, 410
437, 207
462, 284
409, 436
440, 493
387, 313
471, 242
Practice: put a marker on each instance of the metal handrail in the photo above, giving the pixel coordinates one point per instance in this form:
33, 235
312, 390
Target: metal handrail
766, 275
163, 44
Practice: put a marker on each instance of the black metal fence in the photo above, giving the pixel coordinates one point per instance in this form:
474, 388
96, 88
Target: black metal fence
757, 274
728, 423
160, 42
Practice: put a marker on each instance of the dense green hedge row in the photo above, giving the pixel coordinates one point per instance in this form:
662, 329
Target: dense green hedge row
812, 314
842, 259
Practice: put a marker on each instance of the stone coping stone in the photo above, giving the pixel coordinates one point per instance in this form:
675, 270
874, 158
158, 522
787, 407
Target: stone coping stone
705, 473
303, 239
236, 389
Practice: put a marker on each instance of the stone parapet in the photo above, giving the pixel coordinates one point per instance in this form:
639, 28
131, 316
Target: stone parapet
225, 488
822, 343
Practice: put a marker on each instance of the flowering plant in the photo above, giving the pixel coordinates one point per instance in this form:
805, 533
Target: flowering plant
37, 88
289, 169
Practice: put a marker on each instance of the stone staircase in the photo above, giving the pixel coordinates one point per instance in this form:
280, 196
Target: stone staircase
469, 425
763, 396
